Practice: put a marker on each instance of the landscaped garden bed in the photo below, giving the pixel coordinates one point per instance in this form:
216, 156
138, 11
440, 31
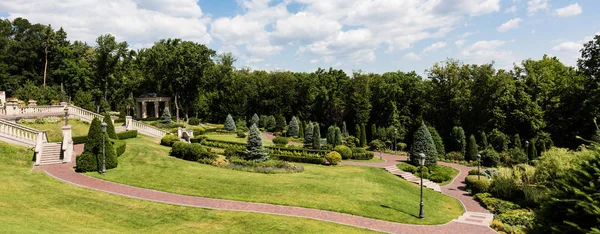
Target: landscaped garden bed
437, 173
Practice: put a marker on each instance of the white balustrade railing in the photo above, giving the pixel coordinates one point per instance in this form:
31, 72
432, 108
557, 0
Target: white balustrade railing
147, 129
32, 110
2, 110
84, 114
21, 134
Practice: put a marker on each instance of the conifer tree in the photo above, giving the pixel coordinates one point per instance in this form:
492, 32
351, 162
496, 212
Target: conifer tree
373, 132
316, 137
532, 154
280, 123
302, 126
517, 141
255, 120
437, 139
293, 129
459, 141
110, 127
254, 149
357, 131
363, 135
229, 124
331, 135
471, 149
344, 130
166, 116
483, 143
308, 136
91, 159
338, 137
271, 123
423, 143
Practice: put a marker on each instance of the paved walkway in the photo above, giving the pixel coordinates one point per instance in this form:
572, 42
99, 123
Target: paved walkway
65, 172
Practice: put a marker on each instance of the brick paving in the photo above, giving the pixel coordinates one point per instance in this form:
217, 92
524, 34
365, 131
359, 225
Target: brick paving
65, 172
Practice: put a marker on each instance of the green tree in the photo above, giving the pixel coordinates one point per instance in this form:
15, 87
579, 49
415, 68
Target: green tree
357, 131
517, 141
338, 137
91, 159
437, 139
483, 143
316, 137
229, 124
110, 127
532, 154
271, 123
293, 129
301, 130
255, 120
331, 135
498, 140
308, 136
471, 149
363, 135
423, 143
254, 149
280, 123
344, 130
459, 141
373, 132
166, 116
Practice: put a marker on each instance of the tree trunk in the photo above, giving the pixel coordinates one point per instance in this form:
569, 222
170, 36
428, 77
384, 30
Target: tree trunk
45, 64
176, 107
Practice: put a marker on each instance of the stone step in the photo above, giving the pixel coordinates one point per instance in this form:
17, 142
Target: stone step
476, 218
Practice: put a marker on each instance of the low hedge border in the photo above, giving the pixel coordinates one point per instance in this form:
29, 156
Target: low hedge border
119, 146
225, 144
79, 140
127, 134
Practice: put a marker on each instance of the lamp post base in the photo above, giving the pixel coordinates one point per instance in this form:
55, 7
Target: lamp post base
421, 215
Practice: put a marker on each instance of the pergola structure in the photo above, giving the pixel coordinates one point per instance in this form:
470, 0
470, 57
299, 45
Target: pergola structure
156, 107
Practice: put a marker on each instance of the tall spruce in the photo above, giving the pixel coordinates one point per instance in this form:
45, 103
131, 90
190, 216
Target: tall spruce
373, 132
338, 137
280, 123
344, 130
331, 135
166, 116
254, 149
229, 124
471, 149
316, 137
517, 141
357, 131
110, 127
483, 143
293, 129
308, 136
302, 126
423, 143
255, 120
363, 135
459, 141
437, 139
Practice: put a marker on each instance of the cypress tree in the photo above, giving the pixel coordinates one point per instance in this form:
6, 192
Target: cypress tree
93, 143
316, 137
338, 137
166, 116
532, 151
110, 127
280, 123
255, 120
308, 136
542, 148
483, 143
229, 124
344, 130
254, 149
437, 139
302, 126
271, 123
517, 141
471, 149
459, 141
91, 159
357, 131
264, 121
293, 129
331, 135
373, 132
423, 143
363, 135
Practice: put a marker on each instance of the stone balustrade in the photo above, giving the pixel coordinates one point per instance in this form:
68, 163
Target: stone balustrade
21, 135
146, 129
83, 114
2, 110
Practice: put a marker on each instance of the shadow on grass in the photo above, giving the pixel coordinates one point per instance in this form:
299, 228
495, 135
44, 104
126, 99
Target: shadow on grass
401, 211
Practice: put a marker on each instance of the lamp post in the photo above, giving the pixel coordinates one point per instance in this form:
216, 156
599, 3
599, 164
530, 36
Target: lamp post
66, 116
103, 126
395, 139
527, 150
422, 163
478, 163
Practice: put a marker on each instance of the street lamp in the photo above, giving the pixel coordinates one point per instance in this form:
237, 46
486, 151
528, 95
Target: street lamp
527, 150
422, 163
478, 163
103, 126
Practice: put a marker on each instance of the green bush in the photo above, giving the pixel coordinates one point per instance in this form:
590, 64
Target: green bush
422, 171
120, 120
423, 143
498, 140
333, 157
407, 167
439, 173
194, 121
93, 147
344, 151
191, 152
79, 140
518, 217
119, 146
198, 139
475, 172
362, 154
477, 185
437, 139
110, 127
495, 205
401, 146
266, 167
241, 134
198, 131
351, 141
168, 140
87, 162
490, 158
280, 140
300, 159
127, 134
455, 156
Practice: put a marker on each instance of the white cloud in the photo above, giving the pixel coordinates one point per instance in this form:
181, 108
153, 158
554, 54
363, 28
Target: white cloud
488, 51
570, 10
512, 9
412, 56
511, 24
140, 24
573, 46
459, 43
534, 6
434, 47
305, 27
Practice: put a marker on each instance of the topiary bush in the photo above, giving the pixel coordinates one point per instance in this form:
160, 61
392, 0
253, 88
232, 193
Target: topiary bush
308, 135
119, 146
472, 149
454, 156
110, 127
79, 140
280, 141
459, 140
344, 151
423, 143
166, 116
127, 134
361, 154
191, 152
437, 139
168, 140
93, 149
333, 158
194, 121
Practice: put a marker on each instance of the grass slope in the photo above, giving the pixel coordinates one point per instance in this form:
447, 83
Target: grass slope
54, 131
364, 191
32, 202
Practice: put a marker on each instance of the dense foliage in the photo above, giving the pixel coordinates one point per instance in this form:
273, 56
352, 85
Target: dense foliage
110, 127
423, 143
91, 159
294, 128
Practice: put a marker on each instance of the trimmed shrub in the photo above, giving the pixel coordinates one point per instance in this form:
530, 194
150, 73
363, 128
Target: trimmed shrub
344, 151
241, 134
280, 123
475, 172
241, 124
93, 159
454, 156
477, 185
254, 149
194, 121
517, 141
490, 158
316, 137
300, 159
337, 138
401, 146
471, 149
330, 135
362, 154
191, 152
266, 167
376, 145
168, 140
351, 141
119, 146
344, 130
333, 158
459, 140
199, 131
229, 124
308, 136
280, 141
87, 162
423, 143
79, 140
127, 134
496, 205
437, 139
93, 142
294, 128
408, 167
363, 135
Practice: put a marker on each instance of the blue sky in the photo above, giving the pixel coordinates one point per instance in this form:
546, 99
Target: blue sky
302, 35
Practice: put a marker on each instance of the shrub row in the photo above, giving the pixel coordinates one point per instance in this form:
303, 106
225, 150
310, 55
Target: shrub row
227, 144
267, 167
120, 120
169, 140
476, 185
191, 152
194, 121
119, 146
300, 159
280, 140
435, 173
127, 134
79, 140
361, 154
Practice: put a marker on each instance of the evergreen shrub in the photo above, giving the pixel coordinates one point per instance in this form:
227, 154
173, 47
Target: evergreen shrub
169, 139
281, 141
344, 151
127, 134
194, 121
333, 158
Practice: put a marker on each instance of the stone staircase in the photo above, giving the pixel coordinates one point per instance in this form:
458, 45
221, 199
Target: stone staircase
412, 178
51, 153
476, 218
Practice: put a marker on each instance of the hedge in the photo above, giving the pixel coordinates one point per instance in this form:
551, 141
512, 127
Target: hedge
477, 185
127, 134
344, 151
297, 159
191, 152
119, 146
361, 154
79, 139
169, 140
225, 144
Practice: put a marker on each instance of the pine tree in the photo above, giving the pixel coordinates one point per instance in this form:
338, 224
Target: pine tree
293, 129
254, 149
471, 149
483, 143
308, 136
338, 137
229, 124
423, 143
271, 123
437, 139
302, 126
316, 137
373, 132
357, 131
459, 141
110, 127
166, 116
517, 141
344, 130
331, 135
363, 135
280, 123
255, 120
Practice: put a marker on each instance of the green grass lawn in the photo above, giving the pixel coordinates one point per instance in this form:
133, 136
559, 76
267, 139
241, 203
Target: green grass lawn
54, 131
234, 138
374, 159
33, 202
364, 191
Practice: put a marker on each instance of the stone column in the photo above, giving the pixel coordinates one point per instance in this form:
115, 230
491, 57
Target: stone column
128, 121
155, 109
67, 146
144, 114
32, 103
179, 132
12, 108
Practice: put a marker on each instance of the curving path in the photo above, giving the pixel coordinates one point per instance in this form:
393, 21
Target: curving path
65, 172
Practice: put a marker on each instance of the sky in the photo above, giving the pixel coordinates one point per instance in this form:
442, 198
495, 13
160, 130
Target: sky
302, 35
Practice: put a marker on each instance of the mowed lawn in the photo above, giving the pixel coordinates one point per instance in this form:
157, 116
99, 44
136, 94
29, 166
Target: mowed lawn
54, 131
234, 138
33, 202
363, 191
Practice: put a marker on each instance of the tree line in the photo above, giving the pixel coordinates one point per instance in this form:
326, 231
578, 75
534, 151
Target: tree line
536, 98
